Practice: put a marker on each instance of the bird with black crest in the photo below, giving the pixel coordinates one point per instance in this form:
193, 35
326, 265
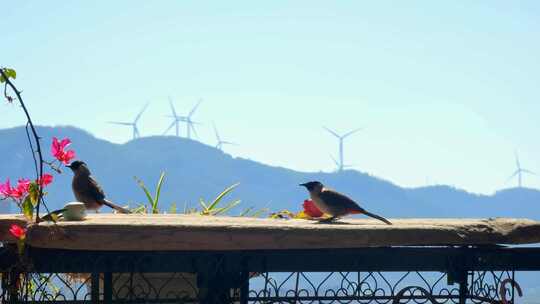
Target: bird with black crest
87, 190
336, 204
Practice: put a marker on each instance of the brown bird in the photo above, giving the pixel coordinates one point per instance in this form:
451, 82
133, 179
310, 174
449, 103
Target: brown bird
335, 203
87, 190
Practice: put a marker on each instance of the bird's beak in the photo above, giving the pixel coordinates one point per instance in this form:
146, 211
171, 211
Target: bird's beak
302, 185
69, 166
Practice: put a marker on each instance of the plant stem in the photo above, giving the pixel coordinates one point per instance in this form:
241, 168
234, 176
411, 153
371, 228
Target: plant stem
39, 173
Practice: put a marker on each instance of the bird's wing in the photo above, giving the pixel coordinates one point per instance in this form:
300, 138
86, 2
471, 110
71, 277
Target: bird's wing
94, 190
332, 197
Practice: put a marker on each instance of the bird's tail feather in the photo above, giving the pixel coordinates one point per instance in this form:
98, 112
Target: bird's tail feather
380, 218
115, 207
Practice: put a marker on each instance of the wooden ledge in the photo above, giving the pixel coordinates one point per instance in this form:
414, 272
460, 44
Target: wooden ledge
193, 232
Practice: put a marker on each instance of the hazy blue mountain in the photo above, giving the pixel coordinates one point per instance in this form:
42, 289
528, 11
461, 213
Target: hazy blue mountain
195, 170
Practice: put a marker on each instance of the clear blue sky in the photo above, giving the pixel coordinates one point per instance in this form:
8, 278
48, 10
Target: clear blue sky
445, 91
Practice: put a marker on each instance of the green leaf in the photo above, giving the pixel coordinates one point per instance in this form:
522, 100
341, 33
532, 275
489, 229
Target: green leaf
2, 79
54, 217
28, 208
146, 192
203, 204
33, 193
221, 195
245, 212
260, 212
158, 191
226, 208
141, 209
10, 73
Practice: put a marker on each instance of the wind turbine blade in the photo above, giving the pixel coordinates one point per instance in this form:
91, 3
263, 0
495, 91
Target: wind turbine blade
332, 132
229, 143
517, 160
172, 107
528, 171
512, 176
194, 109
141, 112
335, 161
120, 123
170, 127
193, 129
351, 132
216, 132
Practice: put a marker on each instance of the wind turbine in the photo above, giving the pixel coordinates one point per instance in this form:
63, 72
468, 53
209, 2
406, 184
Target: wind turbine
220, 142
340, 164
190, 124
519, 172
133, 124
176, 119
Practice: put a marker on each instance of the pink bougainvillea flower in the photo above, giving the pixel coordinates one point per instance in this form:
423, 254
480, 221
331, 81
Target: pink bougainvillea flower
57, 147
5, 189
18, 231
45, 180
23, 184
311, 210
58, 150
21, 190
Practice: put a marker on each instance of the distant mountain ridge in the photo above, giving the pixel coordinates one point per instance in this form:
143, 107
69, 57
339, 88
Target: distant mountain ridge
194, 170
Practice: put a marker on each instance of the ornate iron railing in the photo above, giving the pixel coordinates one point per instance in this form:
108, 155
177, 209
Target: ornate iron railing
379, 287
368, 276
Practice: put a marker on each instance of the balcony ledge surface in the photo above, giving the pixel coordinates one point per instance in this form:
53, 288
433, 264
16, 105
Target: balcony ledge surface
112, 232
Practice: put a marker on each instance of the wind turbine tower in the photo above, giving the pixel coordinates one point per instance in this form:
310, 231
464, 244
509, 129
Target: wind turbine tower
133, 124
341, 163
190, 124
176, 119
519, 171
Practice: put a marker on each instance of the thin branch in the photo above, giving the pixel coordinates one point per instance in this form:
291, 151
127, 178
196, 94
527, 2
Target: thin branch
31, 148
34, 133
52, 166
35, 162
